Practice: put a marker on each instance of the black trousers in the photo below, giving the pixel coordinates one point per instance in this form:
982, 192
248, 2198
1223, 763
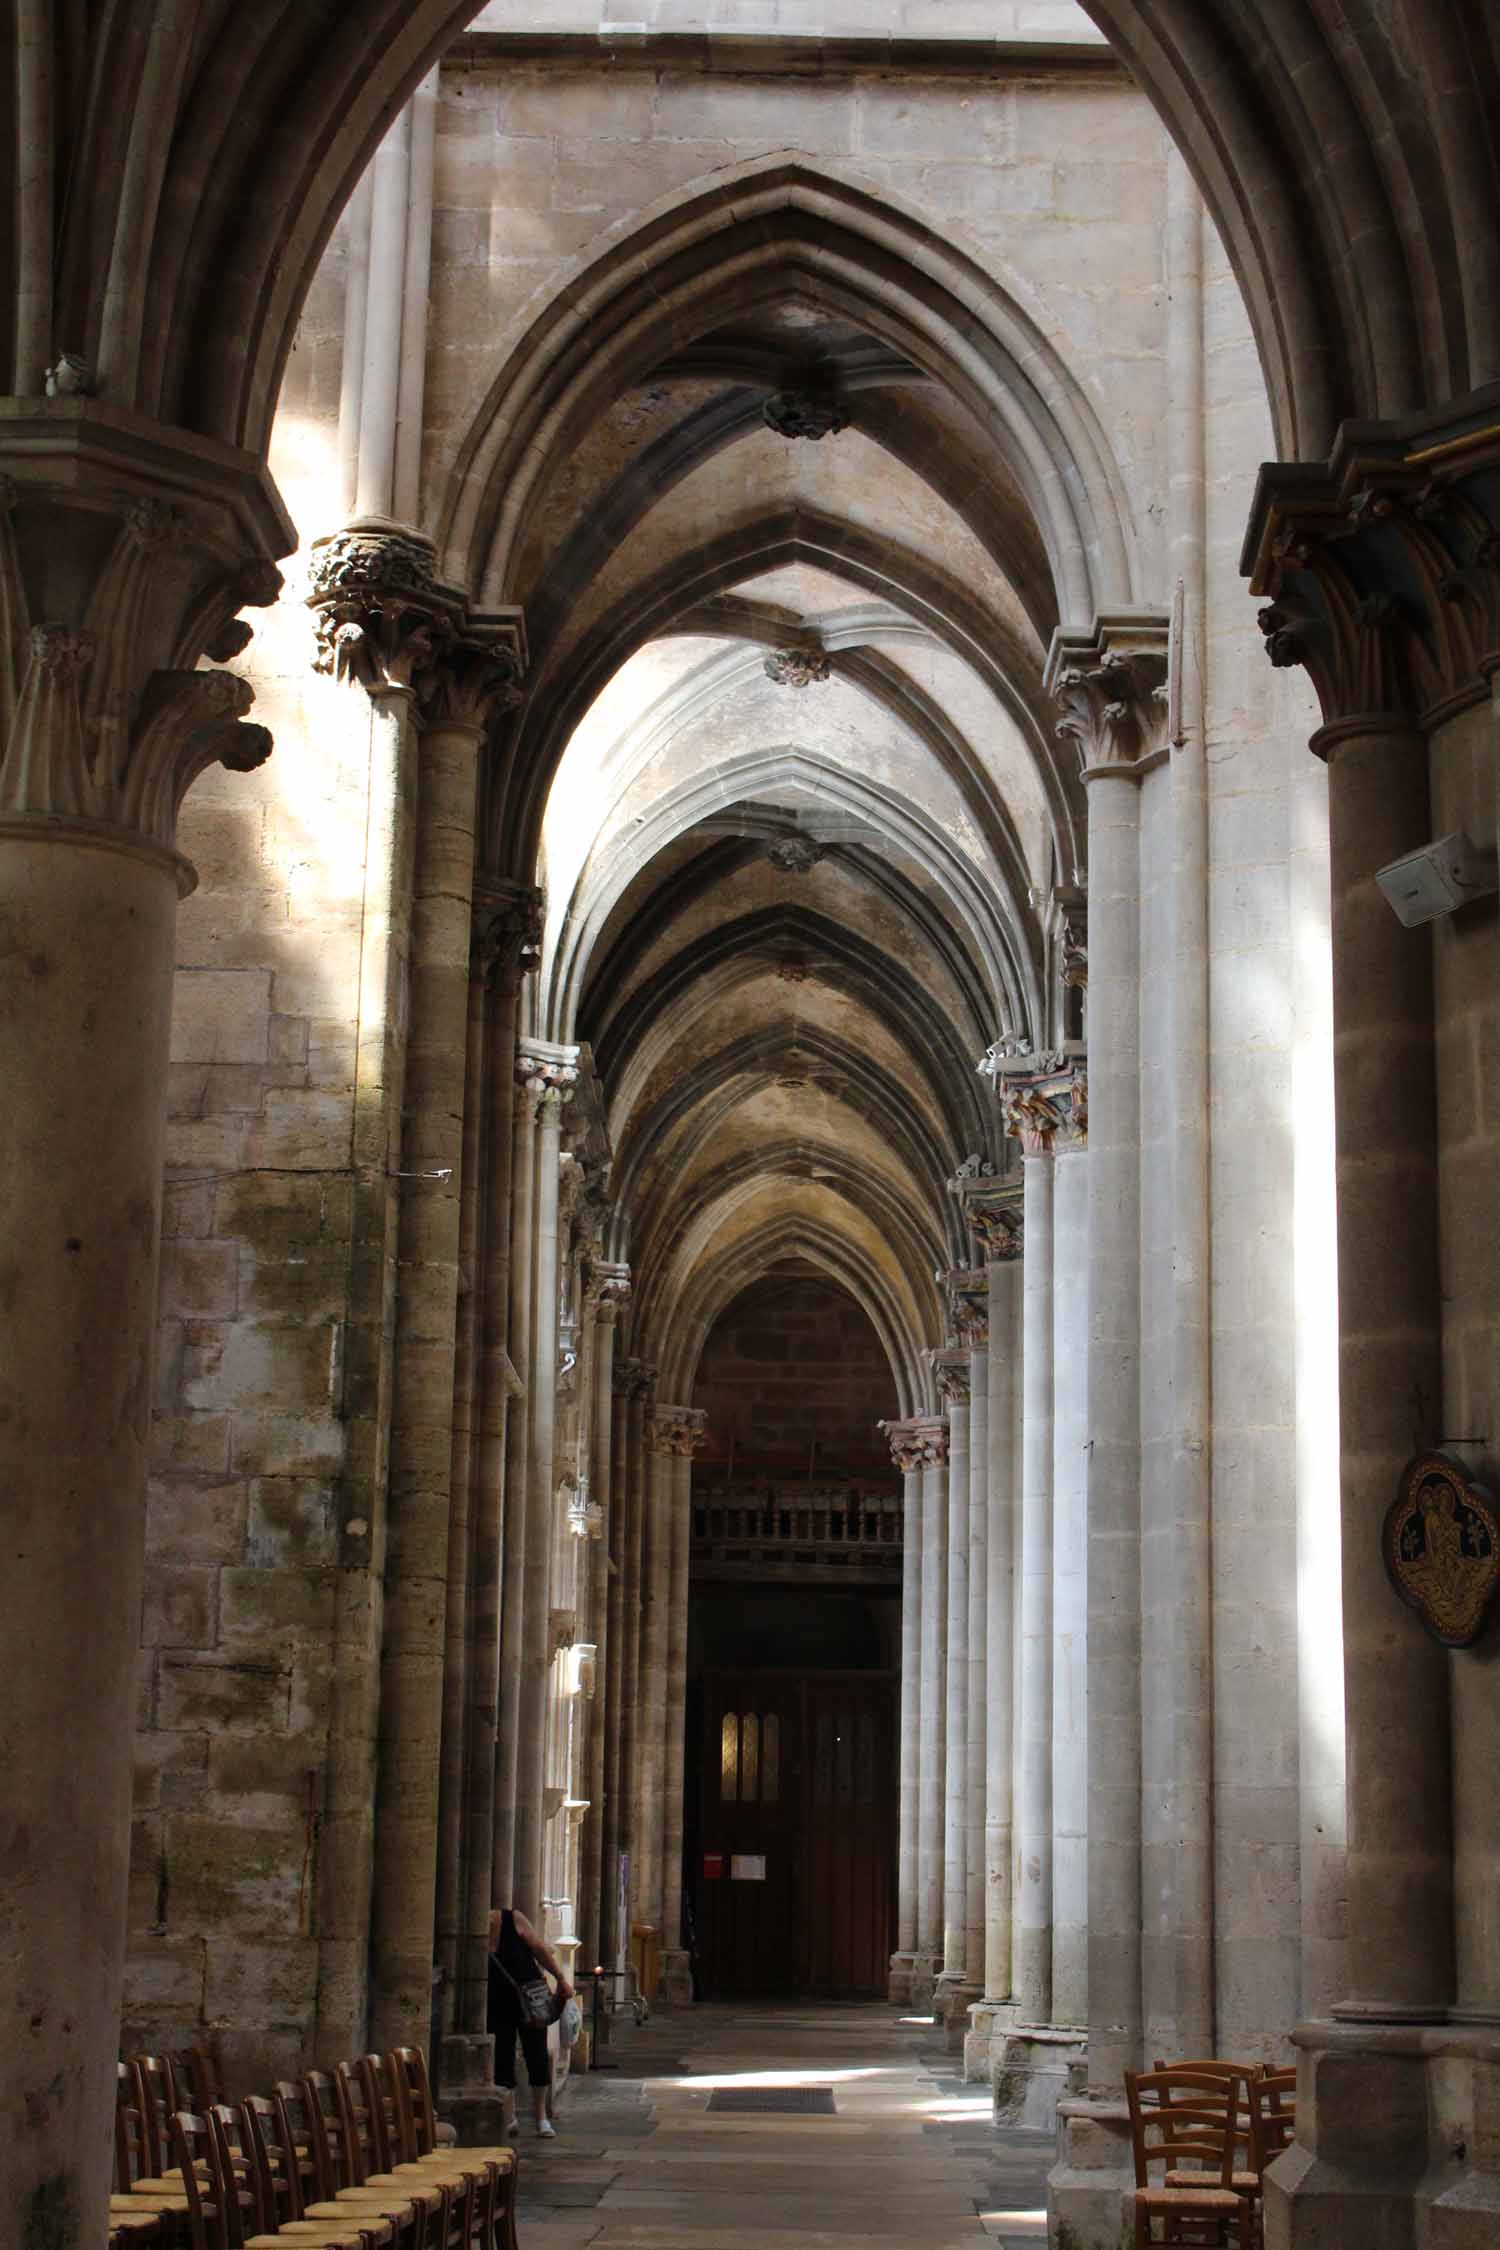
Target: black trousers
533, 2040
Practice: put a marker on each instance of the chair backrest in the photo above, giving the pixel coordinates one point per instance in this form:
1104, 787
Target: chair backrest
130, 2131
1199, 2081
1169, 2128
304, 2136
1276, 2092
325, 2111
408, 2067
157, 2097
192, 2146
260, 2134
378, 2090
236, 2177
358, 2129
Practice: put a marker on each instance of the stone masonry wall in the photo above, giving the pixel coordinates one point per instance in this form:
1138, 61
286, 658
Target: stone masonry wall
794, 1363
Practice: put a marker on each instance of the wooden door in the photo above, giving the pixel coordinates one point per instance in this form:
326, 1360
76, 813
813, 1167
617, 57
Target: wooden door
794, 1858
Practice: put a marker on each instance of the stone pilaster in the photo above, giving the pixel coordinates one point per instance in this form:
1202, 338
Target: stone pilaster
612, 1286
950, 1373
922, 1441
689, 1434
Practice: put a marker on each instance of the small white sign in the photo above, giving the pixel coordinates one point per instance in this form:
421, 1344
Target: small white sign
747, 1867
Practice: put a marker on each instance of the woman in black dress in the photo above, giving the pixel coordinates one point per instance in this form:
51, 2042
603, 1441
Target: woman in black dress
518, 1956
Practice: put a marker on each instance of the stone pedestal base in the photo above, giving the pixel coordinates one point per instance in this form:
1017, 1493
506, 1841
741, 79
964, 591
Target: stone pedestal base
1090, 2186
951, 2003
1033, 2070
989, 2020
470, 2100
675, 1986
924, 1976
898, 1986
1398, 2140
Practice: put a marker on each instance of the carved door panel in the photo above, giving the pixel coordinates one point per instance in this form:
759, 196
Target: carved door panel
852, 1790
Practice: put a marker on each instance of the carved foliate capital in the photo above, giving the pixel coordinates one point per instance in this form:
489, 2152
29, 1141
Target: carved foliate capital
507, 935
968, 1292
1109, 681
475, 677
125, 554
951, 1374
677, 1430
1381, 570
379, 613
610, 1285
993, 1209
547, 1074
634, 1378
919, 1442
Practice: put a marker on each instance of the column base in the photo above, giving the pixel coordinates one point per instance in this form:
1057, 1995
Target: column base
470, 2100
1398, 2140
1090, 2187
925, 1968
675, 1980
898, 1984
951, 2003
1035, 2067
988, 2020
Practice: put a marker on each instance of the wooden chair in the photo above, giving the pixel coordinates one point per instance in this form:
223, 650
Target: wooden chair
312, 2145
480, 2179
243, 2156
1192, 2137
420, 2127
1276, 2098
366, 2159
158, 2097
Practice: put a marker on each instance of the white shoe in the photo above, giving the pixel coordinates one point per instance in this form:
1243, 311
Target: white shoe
546, 2130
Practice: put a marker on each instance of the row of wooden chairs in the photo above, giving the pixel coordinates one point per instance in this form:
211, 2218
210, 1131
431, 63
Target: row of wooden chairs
348, 2160
1211, 2128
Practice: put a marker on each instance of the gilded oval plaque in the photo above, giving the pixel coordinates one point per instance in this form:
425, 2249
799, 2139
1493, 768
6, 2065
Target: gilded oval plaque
1441, 1542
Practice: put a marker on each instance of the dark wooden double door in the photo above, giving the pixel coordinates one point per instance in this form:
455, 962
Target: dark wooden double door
793, 1873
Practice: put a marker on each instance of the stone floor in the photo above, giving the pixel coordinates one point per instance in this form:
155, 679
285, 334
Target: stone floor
909, 2155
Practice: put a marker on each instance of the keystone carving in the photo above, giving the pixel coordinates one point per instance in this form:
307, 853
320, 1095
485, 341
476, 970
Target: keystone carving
794, 855
799, 666
809, 411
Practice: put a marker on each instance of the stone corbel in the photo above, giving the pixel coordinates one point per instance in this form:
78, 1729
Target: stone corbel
475, 677
105, 718
507, 931
1110, 681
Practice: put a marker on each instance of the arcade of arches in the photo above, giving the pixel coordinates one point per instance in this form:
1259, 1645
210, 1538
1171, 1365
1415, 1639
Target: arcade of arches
750, 1250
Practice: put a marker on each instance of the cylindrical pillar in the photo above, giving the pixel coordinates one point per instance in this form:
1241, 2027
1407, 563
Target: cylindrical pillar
911, 1740
381, 379
934, 1716
651, 1750
615, 1827
637, 1461
513, 1552
531, 1753
416, 266
1070, 1407
85, 1003
1114, 1494
675, 1976
1005, 1335
955, 1378
419, 1498
979, 1541
1400, 1947
1033, 1903
590, 1920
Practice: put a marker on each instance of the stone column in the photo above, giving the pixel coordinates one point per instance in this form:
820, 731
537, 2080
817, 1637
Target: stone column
615, 1829
908, 1462
676, 1969
104, 726
1108, 680
614, 1288
559, 1065
513, 1550
1033, 1121
651, 1701
951, 1374
932, 1437
460, 693
971, 1320
1070, 1430
638, 1416
505, 934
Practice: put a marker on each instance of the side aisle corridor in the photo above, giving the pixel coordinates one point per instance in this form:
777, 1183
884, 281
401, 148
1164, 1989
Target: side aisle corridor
681, 2148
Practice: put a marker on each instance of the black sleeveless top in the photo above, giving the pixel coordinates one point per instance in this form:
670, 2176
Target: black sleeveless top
514, 1956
